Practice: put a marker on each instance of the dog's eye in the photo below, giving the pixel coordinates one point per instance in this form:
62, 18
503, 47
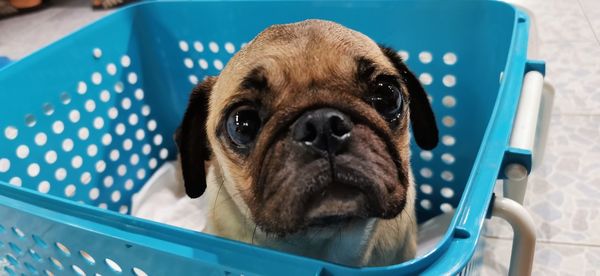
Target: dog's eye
386, 98
243, 125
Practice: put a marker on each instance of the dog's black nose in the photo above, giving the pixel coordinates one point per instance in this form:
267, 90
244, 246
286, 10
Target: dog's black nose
323, 130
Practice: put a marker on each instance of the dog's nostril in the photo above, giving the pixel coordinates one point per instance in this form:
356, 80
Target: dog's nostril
339, 127
310, 133
305, 131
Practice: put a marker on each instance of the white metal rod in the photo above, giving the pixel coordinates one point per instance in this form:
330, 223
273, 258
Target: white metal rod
524, 128
515, 184
523, 247
543, 124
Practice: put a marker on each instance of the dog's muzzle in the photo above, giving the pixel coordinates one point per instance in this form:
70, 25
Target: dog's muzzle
328, 169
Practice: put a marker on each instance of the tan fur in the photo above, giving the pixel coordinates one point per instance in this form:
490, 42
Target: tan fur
367, 242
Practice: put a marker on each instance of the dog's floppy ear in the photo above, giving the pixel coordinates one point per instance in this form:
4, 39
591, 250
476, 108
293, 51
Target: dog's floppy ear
421, 115
192, 141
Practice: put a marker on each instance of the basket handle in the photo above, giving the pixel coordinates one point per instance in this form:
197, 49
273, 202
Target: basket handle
526, 148
523, 245
529, 134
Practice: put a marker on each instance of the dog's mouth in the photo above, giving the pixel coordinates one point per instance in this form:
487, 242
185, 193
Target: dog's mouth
337, 203
345, 195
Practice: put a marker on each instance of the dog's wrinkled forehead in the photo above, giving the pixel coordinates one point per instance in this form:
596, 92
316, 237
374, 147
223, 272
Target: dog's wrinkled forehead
312, 53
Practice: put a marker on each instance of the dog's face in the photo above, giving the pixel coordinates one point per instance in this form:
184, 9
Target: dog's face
309, 124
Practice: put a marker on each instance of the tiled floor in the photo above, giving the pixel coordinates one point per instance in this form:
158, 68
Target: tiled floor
564, 193
22, 35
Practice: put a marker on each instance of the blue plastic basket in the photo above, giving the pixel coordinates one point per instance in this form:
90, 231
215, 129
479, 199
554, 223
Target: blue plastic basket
4, 61
88, 119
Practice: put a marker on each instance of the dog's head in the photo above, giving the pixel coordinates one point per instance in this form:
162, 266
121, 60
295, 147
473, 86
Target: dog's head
309, 125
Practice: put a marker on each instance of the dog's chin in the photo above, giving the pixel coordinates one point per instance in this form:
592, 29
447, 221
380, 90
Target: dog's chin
336, 207
337, 204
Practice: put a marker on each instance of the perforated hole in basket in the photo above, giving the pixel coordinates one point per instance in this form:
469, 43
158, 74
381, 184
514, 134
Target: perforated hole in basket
87, 257
114, 266
138, 272
78, 270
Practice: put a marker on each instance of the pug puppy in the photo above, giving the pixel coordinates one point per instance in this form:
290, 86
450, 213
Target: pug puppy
301, 144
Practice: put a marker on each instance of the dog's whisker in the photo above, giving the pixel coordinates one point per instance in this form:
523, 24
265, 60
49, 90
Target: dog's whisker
217, 196
254, 233
408, 216
225, 200
314, 235
339, 234
397, 223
